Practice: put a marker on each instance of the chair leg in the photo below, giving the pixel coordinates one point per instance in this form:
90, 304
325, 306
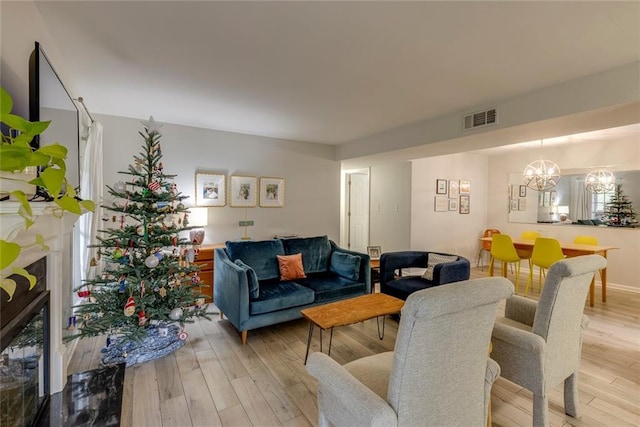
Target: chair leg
571, 395
540, 410
529, 279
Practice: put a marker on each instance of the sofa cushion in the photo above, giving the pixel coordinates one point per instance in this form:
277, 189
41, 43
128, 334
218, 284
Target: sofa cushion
276, 295
252, 279
290, 267
345, 265
405, 286
259, 255
434, 259
329, 286
316, 252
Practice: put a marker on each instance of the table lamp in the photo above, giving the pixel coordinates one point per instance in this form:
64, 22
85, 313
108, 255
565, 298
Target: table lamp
198, 217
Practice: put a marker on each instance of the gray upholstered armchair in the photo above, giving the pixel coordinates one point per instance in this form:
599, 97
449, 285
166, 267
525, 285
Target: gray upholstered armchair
439, 373
538, 344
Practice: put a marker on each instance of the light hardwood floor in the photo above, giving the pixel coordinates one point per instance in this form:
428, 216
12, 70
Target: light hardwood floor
214, 380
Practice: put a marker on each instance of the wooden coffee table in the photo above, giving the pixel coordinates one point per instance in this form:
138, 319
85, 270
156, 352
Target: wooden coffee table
348, 311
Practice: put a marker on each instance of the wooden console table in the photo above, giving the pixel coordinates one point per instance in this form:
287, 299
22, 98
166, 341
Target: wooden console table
204, 258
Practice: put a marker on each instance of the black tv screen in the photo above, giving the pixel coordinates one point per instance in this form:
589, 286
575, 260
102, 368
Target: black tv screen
50, 100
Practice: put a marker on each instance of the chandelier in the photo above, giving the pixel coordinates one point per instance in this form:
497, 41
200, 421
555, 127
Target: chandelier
541, 175
599, 181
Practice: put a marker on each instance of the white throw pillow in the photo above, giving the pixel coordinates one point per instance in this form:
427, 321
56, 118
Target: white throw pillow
435, 259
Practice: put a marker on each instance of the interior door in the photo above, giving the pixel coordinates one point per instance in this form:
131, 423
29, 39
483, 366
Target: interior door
358, 211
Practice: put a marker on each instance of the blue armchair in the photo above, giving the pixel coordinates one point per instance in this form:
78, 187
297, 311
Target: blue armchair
440, 269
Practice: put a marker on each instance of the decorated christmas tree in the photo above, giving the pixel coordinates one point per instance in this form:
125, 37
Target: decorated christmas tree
148, 287
619, 210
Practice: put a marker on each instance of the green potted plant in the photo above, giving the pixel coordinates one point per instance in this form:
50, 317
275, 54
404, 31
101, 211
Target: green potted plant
19, 163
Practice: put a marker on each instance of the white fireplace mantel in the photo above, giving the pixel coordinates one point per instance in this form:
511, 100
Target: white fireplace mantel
56, 230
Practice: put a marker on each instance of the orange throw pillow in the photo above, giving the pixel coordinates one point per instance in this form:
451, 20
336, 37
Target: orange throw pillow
291, 267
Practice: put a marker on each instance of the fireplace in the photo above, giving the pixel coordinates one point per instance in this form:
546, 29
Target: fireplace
24, 346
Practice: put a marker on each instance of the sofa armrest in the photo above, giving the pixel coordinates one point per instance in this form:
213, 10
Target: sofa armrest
450, 272
392, 261
343, 399
521, 309
365, 264
231, 290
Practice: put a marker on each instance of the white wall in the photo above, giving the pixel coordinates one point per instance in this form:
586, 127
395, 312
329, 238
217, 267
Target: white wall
312, 177
449, 232
624, 268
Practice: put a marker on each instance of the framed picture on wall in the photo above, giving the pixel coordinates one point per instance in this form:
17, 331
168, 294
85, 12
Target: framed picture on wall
523, 191
441, 204
211, 189
271, 192
243, 191
513, 205
465, 204
453, 204
454, 189
522, 204
441, 186
465, 187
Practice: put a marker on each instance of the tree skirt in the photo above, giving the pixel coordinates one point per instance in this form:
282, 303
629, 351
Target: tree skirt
152, 347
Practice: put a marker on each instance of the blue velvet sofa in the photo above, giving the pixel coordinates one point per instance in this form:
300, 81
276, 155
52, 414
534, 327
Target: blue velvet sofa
249, 292
442, 268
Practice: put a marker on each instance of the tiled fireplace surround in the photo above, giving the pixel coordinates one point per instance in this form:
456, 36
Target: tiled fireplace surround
57, 233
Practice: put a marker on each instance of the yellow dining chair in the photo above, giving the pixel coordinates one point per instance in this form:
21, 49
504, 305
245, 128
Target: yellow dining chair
546, 251
527, 235
502, 249
586, 240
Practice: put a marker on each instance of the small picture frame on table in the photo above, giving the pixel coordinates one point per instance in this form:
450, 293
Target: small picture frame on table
271, 192
374, 252
211, 189
465, 204
441, 186
243, 191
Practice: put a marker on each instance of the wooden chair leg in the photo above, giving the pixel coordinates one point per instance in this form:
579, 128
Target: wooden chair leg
221, 315
243, 337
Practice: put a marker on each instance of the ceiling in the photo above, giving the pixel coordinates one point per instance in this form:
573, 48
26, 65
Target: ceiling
328, 72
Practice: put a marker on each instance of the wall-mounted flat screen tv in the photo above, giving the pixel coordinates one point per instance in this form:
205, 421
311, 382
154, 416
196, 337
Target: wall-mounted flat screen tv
50, 100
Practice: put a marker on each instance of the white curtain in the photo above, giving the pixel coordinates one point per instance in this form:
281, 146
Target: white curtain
90, 189
581, 202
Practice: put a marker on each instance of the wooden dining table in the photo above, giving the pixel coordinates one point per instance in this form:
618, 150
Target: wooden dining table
570, 250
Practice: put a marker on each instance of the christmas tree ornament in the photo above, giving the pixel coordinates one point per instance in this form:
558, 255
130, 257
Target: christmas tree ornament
142, 319
140, 230
183, 335
163, 330
105, 217
72, 323
123, 284
84, 294
151, 261
93, 262
129, 307
190, 255
117, 254
199, 303
163, 292
176, 313
120, 187
154, 185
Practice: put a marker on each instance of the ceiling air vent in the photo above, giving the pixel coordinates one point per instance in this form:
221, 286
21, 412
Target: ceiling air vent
480, 119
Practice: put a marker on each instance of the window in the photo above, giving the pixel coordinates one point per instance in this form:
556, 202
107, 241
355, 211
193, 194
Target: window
599, 202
